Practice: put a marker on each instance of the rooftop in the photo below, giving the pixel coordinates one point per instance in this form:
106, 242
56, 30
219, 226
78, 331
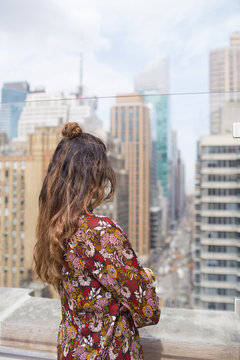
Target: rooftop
29, 328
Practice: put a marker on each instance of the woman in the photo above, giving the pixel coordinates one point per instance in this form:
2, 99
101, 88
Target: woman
105, 294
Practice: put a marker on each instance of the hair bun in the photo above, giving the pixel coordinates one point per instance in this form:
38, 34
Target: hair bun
71, 130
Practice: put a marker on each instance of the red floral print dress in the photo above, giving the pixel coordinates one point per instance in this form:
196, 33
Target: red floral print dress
105, 295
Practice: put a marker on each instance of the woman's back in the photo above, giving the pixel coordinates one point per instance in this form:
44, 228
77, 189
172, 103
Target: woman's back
105, 295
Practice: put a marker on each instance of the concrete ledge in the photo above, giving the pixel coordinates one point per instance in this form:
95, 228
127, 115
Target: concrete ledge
29, 328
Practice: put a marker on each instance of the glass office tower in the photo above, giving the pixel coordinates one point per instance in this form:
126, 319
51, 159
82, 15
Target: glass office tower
13, 97
152, 83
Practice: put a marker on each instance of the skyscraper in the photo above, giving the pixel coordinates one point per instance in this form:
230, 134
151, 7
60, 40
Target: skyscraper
217, 252
176, 183
130, 123
13, 97
217, 219
224, 82
19, 190
150, 82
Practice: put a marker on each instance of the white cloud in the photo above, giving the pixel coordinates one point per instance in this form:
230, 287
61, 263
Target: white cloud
40, 42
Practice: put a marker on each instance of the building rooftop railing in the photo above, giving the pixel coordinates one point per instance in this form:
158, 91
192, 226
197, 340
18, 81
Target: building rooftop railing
29, 326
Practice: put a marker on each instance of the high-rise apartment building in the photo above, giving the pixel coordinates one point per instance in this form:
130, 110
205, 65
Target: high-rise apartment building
20, 183
130, 123
149, 83
224, 83
156, 204
217, 220
12, 197
13, 97
217, 252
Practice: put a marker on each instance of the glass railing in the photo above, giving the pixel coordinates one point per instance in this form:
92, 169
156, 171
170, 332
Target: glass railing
156, 144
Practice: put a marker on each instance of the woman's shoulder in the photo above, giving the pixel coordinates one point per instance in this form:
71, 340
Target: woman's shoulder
99, 222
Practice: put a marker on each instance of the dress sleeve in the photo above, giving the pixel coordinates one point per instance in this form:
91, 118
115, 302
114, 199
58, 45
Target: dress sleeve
109, 256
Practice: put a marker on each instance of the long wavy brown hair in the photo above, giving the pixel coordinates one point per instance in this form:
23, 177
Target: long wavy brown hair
79, 178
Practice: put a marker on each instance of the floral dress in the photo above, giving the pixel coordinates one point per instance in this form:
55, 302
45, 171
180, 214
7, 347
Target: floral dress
105, 295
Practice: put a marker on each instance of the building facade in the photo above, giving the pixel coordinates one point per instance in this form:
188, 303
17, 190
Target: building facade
153, 83
13, 98
12, 202
131, 124
20, 183
51, 109
217, 220
224, 82
177, 195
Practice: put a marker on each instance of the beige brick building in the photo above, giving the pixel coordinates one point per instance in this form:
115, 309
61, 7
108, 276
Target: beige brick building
20, 183
131, 124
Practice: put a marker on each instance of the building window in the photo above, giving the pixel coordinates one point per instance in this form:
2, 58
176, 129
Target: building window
122, 113
211, 306
221, 292
217, 277
130, 113
137, 112
137, 130
217, 248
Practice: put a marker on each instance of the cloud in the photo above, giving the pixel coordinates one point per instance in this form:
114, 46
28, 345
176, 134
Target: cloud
42, 39
40, 42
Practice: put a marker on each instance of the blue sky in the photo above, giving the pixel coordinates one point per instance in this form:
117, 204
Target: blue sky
40, 40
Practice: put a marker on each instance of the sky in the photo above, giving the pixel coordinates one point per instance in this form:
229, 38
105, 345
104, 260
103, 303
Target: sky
40, 42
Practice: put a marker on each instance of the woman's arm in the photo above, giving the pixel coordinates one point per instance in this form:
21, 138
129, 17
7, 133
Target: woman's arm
109, 256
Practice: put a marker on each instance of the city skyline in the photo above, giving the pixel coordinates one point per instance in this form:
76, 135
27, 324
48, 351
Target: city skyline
133, 37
